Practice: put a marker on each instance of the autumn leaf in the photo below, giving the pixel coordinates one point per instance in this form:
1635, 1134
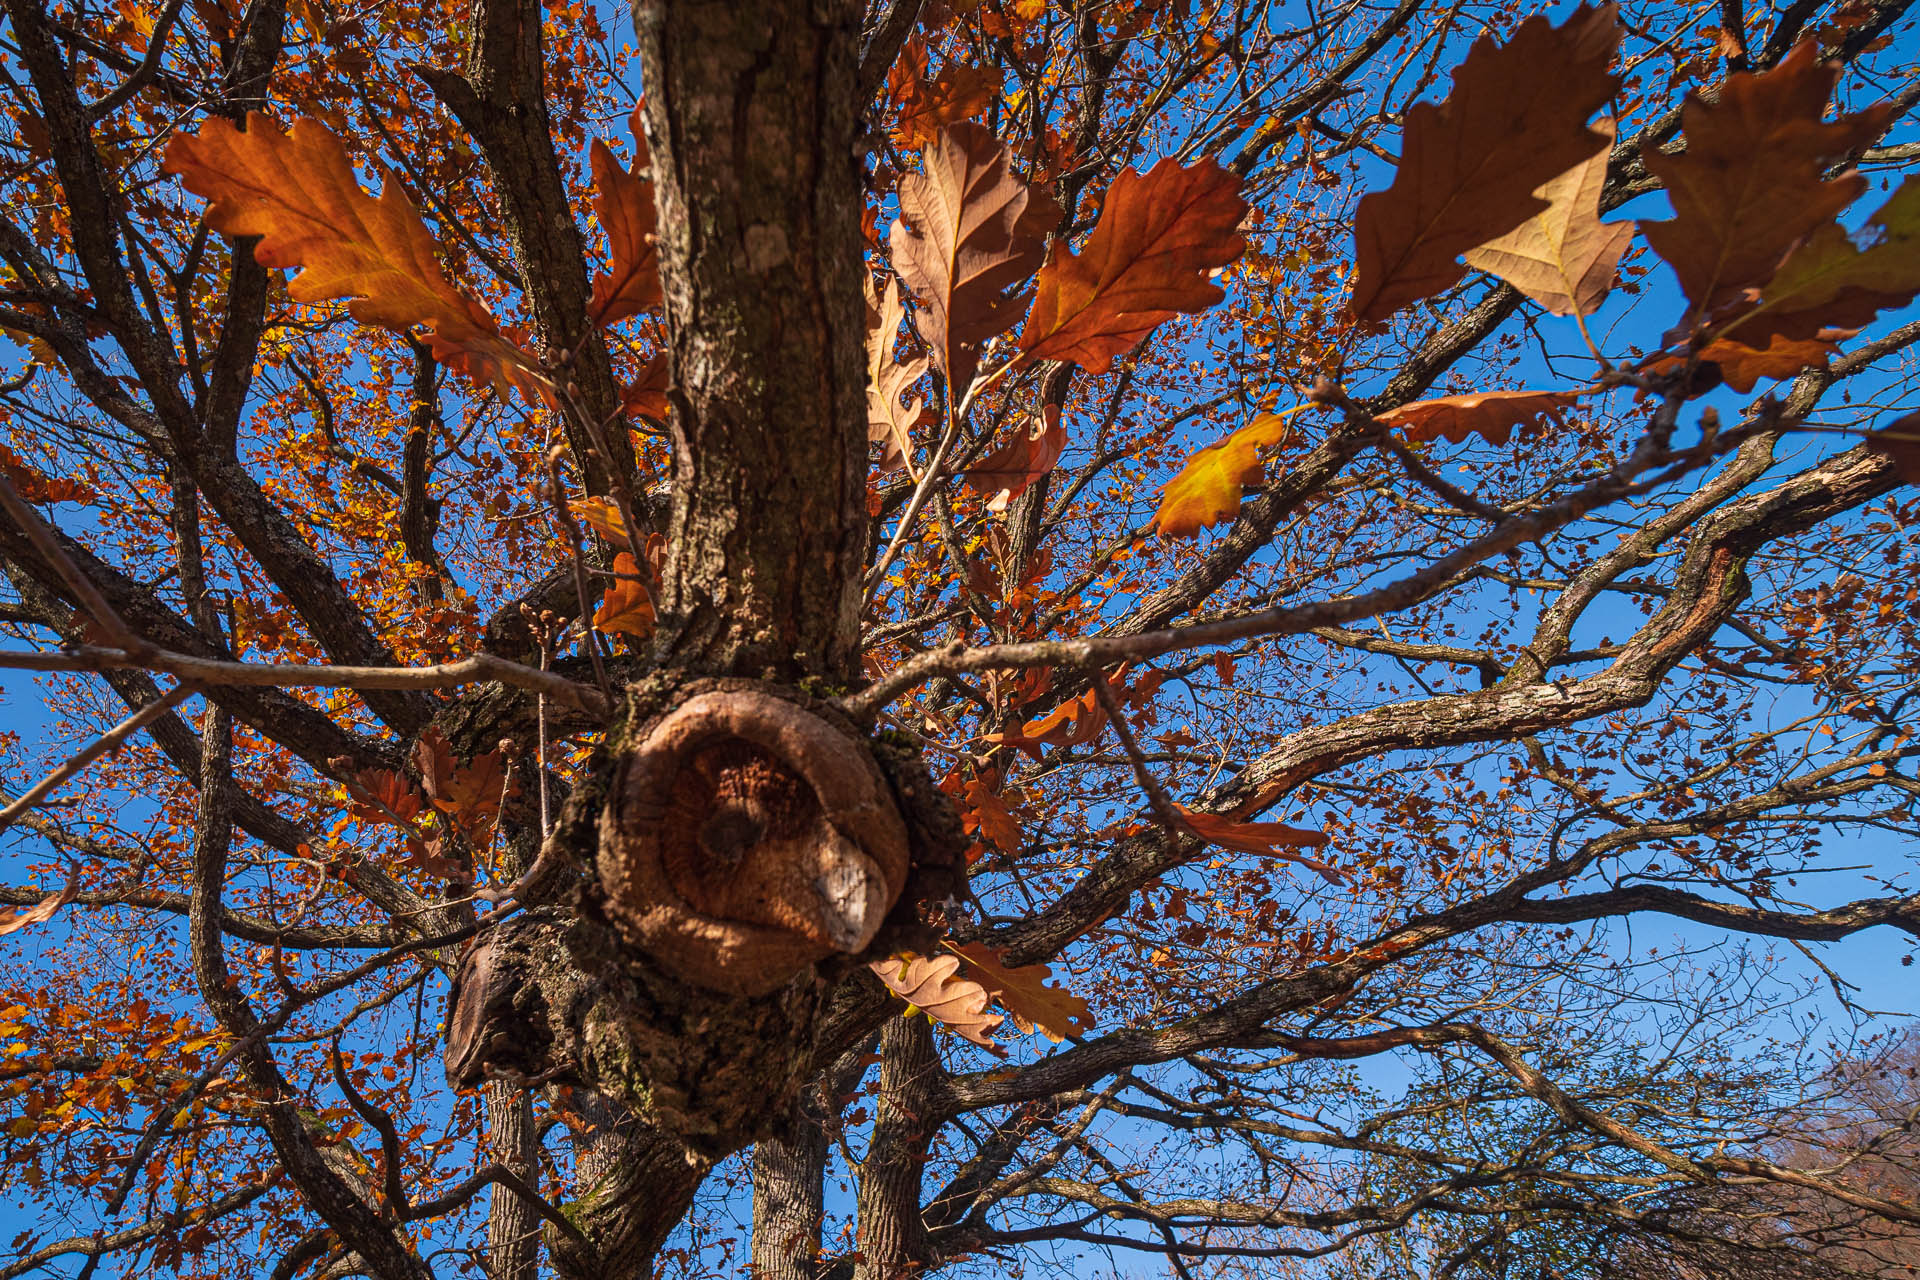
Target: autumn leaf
384, 795
1742, 366
602, 515
1007, 472
930, 985
1563, 257
1491, 415
1899, 442
1265, 839
1843, 279
889, 422
1469, 167
1751, 183
628, 606
624, 205
987, 813
959, 92
646, 396
970, 231
1151, 256
298, 193
1028, 994
1074, 723
470, 793
1208, 488
34, 487
43, 910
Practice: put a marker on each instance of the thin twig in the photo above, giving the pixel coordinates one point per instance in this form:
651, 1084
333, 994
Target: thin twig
94, 750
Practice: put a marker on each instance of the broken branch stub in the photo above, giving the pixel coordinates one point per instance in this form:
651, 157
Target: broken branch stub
748, 838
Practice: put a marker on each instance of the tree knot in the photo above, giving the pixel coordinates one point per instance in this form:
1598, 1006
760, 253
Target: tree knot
748, 838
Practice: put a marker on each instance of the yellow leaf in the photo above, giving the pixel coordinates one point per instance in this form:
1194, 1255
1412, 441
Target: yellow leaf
1208, 488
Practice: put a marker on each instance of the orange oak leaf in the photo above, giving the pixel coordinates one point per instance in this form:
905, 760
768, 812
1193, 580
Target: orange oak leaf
1266, 839
930, 984
970, 231
1151, 256
988, 814
298, 193
43, 910
35, 487
890, 423
1491, 415
1074, 723
1843, 279
1742, 366
628, 605
624, 205
1007, 472
1751, 183
1563, 257
1207, 490
959, 92
1516, 119
1028, 994
384, 795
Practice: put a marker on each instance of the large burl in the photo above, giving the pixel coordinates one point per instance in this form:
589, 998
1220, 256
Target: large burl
747, 838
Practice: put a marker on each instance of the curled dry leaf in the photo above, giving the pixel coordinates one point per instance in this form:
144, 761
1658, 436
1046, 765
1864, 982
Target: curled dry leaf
1265, 839
1491, 415
959, 92
1469, 167
1027, 993
297, 192
1008, 471
890, 423
1752, 181
43, 910
970, 231
1563, 257
1151, 257
1208, 488
624, 205
930, 984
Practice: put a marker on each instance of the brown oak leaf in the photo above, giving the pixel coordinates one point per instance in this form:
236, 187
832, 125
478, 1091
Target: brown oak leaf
930, 984
1469, 167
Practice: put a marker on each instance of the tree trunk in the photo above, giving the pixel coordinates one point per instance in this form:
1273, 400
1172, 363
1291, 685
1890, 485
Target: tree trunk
752, 118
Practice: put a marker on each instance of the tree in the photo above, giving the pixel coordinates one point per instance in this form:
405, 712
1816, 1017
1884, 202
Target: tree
552, 626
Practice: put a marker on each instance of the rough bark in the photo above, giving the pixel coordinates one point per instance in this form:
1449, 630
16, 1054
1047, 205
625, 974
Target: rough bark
752, 119
893, 1238
513, 1226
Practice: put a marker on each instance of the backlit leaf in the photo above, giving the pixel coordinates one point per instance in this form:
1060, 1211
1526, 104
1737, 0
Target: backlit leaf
1264, 839
43, 910
1563, 257
1031, 453
970, 230
1151, 257
1028, 994
298, 193
891, 423
624, 205
1516, 120
1751, 183
1208, 488
1491, 415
